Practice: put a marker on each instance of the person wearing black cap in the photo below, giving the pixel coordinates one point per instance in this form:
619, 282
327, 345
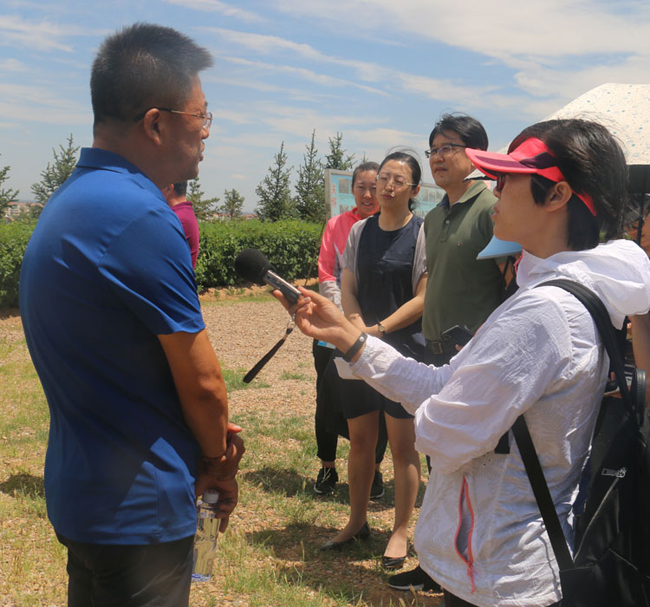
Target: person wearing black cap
480, 534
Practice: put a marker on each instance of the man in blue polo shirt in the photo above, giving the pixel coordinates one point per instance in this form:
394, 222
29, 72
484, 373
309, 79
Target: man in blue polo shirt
139, 412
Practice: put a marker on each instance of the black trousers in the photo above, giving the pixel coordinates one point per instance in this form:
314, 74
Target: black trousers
329, 421
105, 575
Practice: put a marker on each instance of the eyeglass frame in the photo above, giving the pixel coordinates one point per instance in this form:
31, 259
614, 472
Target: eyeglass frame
500, 181
207, 117
396, 184
433, 152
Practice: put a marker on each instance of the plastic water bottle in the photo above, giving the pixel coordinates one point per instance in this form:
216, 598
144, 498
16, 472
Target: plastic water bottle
205, 540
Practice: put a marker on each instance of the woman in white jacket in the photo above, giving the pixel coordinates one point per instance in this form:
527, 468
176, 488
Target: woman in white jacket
480, 533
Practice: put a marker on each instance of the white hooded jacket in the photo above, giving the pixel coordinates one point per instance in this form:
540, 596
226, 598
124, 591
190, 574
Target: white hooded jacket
480, 533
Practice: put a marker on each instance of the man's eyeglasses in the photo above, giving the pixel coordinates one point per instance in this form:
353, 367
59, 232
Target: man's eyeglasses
443, 150
501, 181
207, 117
384, 180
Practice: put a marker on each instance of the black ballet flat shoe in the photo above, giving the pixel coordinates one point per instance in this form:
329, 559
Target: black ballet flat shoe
392, 563
362, 534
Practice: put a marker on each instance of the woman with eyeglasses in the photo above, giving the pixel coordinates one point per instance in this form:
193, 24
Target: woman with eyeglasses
330, 388
382, 291
480, 533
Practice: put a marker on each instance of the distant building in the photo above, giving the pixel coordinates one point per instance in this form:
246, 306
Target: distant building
16, 209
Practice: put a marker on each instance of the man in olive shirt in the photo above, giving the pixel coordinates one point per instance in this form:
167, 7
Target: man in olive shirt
461, 290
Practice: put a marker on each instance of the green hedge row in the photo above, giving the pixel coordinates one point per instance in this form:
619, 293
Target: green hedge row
13, 242
290, 245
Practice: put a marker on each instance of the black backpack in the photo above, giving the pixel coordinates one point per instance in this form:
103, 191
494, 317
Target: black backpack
611, 563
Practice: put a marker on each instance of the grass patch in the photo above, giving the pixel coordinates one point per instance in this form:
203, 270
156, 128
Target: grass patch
294, 375
234, 379
269, 557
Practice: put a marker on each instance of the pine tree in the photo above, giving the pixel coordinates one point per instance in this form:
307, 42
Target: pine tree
336, 158
310, 189
232, 205
204, 208
54, 174
273, 191
7, 195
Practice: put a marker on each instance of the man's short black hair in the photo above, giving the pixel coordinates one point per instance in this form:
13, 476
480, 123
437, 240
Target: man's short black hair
180, 188
470, 130
144, 66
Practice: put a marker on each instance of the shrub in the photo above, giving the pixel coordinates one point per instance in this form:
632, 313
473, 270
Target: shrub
289, 245
13, 242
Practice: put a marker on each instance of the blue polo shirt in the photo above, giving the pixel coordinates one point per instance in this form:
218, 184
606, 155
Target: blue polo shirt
106, 271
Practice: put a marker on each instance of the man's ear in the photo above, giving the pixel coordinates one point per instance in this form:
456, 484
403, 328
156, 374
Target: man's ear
558, 196
151, 124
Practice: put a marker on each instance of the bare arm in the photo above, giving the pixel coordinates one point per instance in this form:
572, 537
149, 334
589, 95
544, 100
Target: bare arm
406, 314
349, 300
202, 393
201, 388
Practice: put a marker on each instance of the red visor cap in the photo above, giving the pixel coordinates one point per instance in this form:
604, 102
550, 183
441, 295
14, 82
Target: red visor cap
531, 157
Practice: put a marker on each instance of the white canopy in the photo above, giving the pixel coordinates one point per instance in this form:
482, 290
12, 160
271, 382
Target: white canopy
624, 109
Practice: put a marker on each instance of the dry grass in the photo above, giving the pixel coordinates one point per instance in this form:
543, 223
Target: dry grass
269, 556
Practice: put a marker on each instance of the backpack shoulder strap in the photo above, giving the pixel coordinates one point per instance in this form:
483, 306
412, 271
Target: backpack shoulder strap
520, 429
599, 313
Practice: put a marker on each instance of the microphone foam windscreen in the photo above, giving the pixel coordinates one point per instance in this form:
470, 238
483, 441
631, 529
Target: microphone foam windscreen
252, 265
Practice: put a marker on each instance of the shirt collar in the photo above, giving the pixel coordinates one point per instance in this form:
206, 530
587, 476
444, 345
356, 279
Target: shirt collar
474, 190
99, 159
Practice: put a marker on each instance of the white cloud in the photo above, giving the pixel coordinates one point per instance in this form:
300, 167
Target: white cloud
545, 44
444, 89
264, 44
215, 6
24, 103
11, 126
302, 73
288, 92
40, 36
12, 65
553, 28
376, 143
233, 117
631, 70
456, 94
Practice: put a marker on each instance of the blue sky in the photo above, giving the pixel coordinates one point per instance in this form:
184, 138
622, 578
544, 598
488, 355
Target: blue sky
379, 71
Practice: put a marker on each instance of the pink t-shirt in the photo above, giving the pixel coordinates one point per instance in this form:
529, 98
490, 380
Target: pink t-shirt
332, 245
190, 225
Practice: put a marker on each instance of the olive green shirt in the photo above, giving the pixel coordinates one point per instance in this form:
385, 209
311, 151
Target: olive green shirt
461, 290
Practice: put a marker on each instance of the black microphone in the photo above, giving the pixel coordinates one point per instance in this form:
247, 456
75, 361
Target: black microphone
252, 265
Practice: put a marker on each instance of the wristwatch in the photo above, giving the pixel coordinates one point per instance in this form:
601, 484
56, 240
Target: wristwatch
381, 329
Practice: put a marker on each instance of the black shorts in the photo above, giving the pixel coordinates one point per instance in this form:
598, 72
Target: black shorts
355, 396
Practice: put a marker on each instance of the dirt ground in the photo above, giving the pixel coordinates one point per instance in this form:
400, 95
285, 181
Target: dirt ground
242, 331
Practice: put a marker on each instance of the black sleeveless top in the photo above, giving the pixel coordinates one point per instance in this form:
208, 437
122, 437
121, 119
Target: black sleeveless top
384, 280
